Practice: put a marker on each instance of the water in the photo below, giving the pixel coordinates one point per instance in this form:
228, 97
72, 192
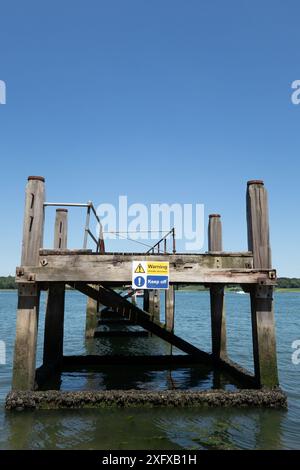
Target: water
157, 428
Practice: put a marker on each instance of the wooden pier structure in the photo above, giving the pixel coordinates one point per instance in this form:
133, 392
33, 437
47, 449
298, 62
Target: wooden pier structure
99, 274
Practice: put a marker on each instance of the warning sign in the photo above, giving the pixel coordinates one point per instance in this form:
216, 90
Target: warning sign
150, 274
158, 267
140, 269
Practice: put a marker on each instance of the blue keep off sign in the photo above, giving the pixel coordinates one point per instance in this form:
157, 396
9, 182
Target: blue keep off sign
150, 274
157, 282
139, 281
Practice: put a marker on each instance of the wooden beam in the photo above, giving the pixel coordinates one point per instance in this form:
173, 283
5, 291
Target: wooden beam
116, 269
112, 299
119, 255
121, 333
162, 361
105, 273
114, 321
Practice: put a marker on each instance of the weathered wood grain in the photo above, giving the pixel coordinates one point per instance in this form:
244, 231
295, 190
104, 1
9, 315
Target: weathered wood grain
33, 226
147, 256
154, 304
146, 301
28, 295
264, 339
91, 319
61, 229
258, 225
170, 308
121, 274
54, 320
217, 304
200, 268
26, 337
263, 323
215, 233
54, 324
111, 299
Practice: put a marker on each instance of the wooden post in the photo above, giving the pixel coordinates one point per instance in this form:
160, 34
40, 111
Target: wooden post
33, 228
28, 293
263, 324
169, 308
217, 306
146, 301
92, 306
154, 303
61, 229
54, 321
91, 316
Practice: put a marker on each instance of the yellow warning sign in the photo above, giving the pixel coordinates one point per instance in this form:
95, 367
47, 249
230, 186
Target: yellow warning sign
158, 267
139, 269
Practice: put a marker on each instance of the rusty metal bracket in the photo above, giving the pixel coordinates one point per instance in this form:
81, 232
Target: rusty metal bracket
19, 272
27, 290
264, 292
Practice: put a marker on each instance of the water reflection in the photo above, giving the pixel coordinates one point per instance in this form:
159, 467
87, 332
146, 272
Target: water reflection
144, 429
158, 428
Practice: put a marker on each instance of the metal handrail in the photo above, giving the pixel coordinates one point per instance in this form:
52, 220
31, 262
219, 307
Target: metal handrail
87, 232
66, 204
164, 240
100, 246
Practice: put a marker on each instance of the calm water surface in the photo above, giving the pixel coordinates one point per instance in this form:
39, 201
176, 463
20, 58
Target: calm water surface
157, 428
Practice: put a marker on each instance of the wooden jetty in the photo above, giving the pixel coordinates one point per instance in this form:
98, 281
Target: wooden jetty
98, 274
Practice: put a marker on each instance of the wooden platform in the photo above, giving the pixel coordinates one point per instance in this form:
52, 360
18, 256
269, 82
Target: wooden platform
97, 274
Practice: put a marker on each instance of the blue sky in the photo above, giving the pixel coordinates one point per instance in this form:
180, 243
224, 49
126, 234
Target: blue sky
163, 101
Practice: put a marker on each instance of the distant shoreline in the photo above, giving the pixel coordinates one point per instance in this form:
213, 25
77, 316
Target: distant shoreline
282, 290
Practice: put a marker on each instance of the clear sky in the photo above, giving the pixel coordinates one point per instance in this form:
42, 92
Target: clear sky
161, 100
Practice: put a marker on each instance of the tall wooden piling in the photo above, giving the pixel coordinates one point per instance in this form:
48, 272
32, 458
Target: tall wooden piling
170, 308
151, 303
263, 324
154, 304
91, 317
217, 306
28, 292
54, 321
146, 300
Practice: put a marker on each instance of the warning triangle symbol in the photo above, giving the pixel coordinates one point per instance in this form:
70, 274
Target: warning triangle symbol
140, 269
